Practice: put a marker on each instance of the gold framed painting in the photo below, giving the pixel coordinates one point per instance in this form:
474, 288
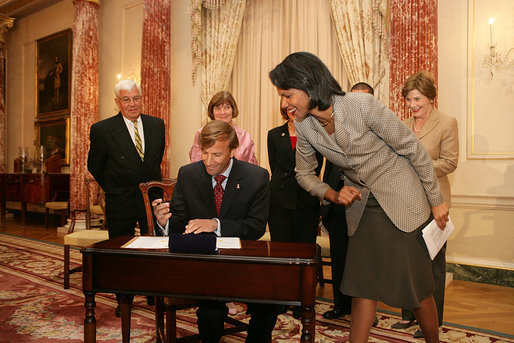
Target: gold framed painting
53, 74
54, 136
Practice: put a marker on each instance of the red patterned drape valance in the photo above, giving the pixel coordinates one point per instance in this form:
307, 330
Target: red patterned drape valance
413, 46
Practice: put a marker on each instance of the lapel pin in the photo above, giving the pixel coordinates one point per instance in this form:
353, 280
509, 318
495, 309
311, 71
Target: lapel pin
237, 186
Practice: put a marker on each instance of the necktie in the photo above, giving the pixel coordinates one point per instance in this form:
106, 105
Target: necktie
218, 191
139, 145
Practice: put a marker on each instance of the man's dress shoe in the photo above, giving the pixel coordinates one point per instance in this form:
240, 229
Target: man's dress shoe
400, 325
334, 314
418, 334
297, 312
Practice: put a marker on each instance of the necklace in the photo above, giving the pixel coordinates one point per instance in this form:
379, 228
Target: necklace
291, 128
325, 123
416, 129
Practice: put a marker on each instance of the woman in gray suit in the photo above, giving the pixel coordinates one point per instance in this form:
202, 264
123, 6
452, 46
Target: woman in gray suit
391, 190
439, 134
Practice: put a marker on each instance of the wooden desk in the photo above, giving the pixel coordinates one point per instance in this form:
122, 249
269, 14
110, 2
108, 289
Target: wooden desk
264, 272
32, 188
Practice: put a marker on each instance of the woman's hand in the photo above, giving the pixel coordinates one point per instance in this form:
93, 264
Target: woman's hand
346, 196
441, 214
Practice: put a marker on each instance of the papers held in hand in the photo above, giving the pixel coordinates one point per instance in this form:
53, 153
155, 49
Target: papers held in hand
435, 237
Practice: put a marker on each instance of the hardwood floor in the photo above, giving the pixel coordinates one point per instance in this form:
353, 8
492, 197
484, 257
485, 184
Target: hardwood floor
482, 306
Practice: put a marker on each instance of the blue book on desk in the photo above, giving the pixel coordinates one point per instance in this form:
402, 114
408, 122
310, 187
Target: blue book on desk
202, 243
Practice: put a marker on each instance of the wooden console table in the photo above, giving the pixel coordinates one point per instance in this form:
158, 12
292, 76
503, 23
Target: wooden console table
262, 271
32, 188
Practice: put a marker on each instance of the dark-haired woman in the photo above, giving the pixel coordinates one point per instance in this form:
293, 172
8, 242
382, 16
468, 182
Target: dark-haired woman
294, 213
391, 191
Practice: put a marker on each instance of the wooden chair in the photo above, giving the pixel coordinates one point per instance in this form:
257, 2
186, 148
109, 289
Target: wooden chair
171, 305
60, 207
94, 197
323, 244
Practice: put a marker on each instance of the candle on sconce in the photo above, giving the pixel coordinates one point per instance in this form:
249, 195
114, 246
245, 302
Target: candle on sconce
118, 76
491, 31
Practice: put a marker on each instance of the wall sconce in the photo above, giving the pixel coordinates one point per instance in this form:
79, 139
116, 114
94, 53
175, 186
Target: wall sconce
494, 61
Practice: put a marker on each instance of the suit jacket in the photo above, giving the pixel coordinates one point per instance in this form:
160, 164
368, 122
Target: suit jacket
284, 190
245, 204
378, 154
115, 164
440, 137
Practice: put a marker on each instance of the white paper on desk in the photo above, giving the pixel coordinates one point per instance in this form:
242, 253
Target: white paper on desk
435, 237
228, 243
149, 242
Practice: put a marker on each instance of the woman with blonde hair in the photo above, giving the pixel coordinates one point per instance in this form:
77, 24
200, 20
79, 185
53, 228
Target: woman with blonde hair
439, 134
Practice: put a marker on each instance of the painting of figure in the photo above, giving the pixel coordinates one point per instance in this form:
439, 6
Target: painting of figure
53, 74
53, 136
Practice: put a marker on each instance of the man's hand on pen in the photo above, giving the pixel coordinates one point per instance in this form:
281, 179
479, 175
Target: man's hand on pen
161, 210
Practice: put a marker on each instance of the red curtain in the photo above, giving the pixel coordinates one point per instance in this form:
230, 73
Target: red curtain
155, 66
84, 95
413, 33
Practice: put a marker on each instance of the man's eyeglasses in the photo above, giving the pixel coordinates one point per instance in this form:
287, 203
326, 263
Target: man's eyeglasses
126, 100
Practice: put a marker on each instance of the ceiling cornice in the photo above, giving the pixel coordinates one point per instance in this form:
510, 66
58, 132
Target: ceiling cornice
21, 8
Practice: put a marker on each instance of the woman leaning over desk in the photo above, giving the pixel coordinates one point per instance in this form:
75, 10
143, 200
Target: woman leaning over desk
390, 191
439, 134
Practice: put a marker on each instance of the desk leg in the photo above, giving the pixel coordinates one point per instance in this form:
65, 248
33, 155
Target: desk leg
23, 212
90, 321
308, 303
2, 210
126, 304
308, 324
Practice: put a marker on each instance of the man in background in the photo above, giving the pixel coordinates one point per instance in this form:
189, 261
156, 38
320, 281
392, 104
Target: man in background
125, 150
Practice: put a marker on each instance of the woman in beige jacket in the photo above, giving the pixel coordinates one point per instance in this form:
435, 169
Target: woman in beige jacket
390, 190
439, 134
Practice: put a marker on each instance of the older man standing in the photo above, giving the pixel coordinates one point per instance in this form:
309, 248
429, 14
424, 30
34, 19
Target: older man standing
126, 149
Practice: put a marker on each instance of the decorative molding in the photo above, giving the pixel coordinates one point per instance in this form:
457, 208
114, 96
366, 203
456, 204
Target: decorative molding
483, 202
6, 23
475, 262
22, 8
480, 85
130, 72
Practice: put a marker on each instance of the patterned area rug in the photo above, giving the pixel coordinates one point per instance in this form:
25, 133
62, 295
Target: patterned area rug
35, 307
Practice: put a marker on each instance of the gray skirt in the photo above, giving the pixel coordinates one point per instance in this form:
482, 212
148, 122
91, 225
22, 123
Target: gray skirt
386, 264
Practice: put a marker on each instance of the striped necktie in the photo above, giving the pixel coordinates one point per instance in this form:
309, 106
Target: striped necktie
139, 145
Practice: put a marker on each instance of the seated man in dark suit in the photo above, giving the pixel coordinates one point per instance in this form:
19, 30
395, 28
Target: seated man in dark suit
223, 196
